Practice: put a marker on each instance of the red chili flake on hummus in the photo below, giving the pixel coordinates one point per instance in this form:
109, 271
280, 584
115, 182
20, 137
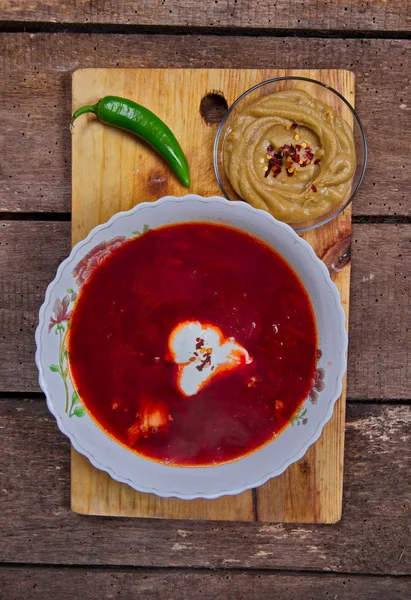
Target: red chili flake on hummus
290, 153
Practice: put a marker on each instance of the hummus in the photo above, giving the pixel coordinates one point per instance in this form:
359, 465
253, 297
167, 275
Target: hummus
291, 155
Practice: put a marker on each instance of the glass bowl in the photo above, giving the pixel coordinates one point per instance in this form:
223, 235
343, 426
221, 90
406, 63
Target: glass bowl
317, 90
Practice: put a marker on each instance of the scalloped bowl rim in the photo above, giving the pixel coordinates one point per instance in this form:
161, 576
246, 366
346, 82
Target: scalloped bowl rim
137, 485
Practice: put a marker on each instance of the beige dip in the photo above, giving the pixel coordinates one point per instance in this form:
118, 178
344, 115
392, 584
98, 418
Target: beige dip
291, 155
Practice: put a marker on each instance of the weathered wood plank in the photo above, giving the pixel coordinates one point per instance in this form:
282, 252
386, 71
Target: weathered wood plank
152, 584
380, 325
378, 15
373, 537
380, 311
30, 252
35, 76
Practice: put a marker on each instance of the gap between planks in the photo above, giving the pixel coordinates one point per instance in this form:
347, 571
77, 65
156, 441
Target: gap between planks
181, 30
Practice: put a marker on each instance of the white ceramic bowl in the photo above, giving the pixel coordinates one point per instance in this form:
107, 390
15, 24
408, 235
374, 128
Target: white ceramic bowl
193, 482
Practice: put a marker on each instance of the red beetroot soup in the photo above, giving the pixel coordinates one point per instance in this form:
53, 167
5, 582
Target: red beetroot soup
193, 344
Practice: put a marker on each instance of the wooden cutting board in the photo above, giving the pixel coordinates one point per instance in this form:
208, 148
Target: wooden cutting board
113, 171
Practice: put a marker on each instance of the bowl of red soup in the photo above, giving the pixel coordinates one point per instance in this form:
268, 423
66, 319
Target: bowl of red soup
192, 347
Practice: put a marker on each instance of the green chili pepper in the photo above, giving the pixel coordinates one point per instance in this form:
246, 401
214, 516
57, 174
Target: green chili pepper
126, 114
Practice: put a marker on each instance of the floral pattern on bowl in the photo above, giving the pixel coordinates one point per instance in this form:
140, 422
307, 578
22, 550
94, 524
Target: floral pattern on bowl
60, 322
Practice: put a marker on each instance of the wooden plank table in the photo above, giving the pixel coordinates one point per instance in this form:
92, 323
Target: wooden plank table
48, 551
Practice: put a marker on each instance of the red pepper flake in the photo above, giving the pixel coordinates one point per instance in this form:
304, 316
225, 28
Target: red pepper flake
286, 156
318, 353
275, 162
317, 160
200, 343
294, 126
314, 189
206, 361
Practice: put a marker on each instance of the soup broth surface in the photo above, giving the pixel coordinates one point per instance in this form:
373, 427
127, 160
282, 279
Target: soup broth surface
193, 344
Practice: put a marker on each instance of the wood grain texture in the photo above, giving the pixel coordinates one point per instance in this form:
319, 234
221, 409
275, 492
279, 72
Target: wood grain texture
104, 182
35, 86
379, 361
184, 584
378, 15
389, 331
94, 492
373, 536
